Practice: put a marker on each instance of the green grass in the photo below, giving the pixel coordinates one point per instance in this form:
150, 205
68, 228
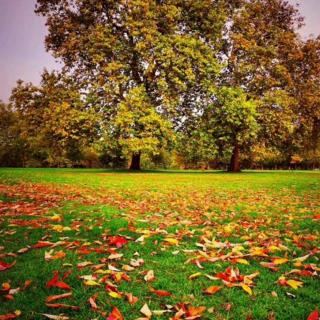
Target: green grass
276, 211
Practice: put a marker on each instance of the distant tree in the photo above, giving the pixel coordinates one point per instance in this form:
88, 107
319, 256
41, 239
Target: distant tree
13, 149
54, 119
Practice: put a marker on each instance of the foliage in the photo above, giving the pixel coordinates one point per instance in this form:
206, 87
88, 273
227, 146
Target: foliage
139, 128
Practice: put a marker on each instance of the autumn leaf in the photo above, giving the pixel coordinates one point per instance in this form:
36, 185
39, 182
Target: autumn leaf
195, 275
212, 290
91, 283
160, 293
278, 261
62, 306
146, 311
54, 317
115, 314
4, 266
9, 316
117, 241
171, 241
149, 276
314, 315
294, 284
54, 282
42, 244
195, 311
59, 296
246, 289
131, 298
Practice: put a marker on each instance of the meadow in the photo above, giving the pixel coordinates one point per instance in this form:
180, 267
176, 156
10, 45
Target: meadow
98, 244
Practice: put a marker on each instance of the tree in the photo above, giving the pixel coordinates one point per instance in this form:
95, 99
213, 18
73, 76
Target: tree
13, 150
111, 47
55, 121
306, 70
260, 43
140, 128
232, 122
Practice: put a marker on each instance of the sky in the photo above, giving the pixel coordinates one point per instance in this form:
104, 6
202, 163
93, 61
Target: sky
22, 32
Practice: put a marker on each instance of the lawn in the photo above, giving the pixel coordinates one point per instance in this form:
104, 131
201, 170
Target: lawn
97, 244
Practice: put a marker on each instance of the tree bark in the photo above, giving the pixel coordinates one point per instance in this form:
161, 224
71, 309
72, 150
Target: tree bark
135, 162
235, 159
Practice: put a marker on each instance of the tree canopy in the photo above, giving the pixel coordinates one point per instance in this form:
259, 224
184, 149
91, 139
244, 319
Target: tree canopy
189, 83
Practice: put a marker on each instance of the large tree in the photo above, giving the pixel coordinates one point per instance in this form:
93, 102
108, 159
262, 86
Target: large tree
167, 47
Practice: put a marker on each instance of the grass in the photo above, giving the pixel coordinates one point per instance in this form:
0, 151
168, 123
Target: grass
180, 223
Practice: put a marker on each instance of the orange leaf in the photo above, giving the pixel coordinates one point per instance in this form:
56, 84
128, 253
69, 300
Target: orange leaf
59, 296
115, 314
161, 293
212, 290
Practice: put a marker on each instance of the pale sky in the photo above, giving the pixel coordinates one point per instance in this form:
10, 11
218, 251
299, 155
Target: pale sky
22, 32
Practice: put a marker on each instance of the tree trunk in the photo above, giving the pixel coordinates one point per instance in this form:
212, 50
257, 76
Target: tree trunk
235, 159
135, 162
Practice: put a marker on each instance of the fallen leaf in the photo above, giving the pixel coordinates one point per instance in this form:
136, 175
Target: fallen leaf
62, 306
149, 276
246, 289
146, 311
54, 282
131, 298
54, 317
115, 314
4, 266
118, 241
160, 293
212, 290
278, 261
314, 315
59, 296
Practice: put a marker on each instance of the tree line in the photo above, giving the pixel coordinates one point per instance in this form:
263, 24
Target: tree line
173, 83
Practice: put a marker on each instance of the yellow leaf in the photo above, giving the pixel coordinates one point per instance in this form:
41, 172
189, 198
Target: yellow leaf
242, 261
114, 294
195, 275
246, 288
91, 283
172, 241
280, 261
295, 284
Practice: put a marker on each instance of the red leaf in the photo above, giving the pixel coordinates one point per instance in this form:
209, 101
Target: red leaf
117, 241
62, 306
54, 282
314, 315
42, 244
5, 266
161, 293
8, 316
115, 315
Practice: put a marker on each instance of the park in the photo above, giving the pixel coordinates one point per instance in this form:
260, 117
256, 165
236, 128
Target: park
159, 159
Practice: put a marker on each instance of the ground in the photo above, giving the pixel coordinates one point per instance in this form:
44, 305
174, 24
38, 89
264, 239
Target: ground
190, 245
